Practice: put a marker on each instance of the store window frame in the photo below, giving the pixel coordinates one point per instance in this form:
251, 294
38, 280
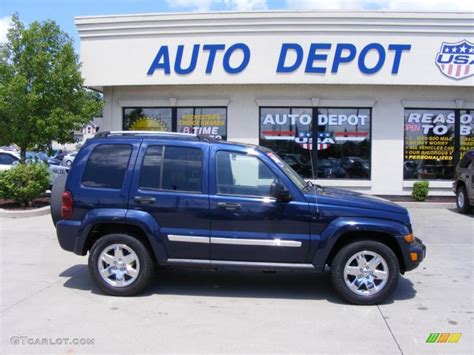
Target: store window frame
456, 138
314, 130
174, 114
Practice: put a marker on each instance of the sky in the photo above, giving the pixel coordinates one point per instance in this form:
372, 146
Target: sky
64, 11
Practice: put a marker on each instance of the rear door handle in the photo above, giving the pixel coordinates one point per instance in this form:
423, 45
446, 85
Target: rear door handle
144, 199
229, 205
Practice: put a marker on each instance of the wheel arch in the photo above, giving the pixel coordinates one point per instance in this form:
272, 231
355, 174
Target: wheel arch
345, 230
377, 236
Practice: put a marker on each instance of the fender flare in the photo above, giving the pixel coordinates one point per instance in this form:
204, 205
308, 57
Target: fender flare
343, 225
140, 219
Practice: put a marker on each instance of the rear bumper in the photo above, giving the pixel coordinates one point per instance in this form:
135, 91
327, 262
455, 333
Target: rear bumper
68, 233
416, 253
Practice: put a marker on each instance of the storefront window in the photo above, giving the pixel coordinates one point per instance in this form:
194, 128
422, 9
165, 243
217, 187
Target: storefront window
147, 119
209, 121
287, 131
344, 147
342, 150
429, 144
466, 131
203, 121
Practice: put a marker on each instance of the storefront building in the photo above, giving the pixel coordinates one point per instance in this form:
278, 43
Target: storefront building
369, 101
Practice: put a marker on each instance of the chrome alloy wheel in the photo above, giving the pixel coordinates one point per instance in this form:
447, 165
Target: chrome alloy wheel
461, 199
366, 273
118, 265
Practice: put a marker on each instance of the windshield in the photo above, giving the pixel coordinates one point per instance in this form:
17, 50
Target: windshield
293, 175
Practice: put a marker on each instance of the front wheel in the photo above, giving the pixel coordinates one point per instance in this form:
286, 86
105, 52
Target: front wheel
365, 272
120, 265
462, 200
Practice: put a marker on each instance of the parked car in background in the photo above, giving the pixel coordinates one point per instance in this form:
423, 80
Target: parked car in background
330, 168
463, 185
356, 167
68, 159
298, 164
9, 158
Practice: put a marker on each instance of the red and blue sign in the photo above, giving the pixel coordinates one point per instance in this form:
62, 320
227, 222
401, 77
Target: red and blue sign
456, 60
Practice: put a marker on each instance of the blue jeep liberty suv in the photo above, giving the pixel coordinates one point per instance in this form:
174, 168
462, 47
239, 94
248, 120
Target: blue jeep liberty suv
135, 200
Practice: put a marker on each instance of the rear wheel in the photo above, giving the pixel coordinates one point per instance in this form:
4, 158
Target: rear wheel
120, 265
462, 200
365, 272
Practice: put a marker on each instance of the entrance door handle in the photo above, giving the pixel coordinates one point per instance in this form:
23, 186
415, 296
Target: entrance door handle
229, 206
144, 200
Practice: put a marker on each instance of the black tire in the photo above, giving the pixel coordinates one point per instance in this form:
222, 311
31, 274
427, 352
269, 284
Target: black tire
462, 200
55, 199
145, 260
343, 256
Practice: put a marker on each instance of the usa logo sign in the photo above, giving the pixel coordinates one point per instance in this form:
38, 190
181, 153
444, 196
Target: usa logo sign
456, 60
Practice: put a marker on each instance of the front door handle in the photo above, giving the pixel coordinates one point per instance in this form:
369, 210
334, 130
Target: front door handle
144, 200
229, 206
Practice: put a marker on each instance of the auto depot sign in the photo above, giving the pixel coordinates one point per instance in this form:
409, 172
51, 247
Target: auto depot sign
369, 59
210, 49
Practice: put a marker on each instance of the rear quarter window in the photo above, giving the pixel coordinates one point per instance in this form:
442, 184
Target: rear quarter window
107, 166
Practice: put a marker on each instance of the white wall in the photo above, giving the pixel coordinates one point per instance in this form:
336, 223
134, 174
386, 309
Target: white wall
243, 116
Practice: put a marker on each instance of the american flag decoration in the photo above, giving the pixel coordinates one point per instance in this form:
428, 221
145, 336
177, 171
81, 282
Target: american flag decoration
305, 140
456, 60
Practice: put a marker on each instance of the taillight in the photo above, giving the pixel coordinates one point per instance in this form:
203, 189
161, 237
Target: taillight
67, 204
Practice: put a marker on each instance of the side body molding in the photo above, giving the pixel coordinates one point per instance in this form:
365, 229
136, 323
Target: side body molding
342, 225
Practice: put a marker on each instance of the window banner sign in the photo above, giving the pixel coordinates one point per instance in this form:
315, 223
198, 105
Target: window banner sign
429, 136
301, 129
203, 121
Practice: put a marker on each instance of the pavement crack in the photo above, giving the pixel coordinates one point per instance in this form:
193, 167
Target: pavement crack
390, 330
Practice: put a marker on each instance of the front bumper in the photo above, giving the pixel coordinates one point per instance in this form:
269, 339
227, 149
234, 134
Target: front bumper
415, 255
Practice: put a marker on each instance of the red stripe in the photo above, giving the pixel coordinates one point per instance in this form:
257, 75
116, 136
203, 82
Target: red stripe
466, 70
450, 69
277, 133
351, 134
458, 70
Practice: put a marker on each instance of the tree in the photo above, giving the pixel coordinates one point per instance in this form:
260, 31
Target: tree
42, 97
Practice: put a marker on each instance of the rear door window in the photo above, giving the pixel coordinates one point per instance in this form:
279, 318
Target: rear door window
107, 166
182, 169
150, 174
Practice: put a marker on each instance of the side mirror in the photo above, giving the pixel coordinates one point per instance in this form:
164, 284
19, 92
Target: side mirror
280, 192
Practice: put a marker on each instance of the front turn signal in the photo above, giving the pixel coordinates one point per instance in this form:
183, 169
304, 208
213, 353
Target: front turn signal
409, 238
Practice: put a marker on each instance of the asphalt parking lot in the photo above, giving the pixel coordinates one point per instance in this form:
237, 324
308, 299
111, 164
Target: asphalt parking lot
47, 293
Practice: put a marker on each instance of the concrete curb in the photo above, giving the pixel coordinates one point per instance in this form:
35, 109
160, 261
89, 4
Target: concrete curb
442, 205
24, 214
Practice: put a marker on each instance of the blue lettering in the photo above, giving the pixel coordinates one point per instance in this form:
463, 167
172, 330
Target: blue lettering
179, 58
338, 58
461, 59
212, 48
281, 68
163, 54
245, 60
381, 52
446, 61
398, 48
313, 56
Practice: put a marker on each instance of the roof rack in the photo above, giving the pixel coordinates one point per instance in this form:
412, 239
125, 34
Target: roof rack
105, 134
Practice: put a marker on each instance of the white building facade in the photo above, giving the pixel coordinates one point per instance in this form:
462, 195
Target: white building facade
375, 100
